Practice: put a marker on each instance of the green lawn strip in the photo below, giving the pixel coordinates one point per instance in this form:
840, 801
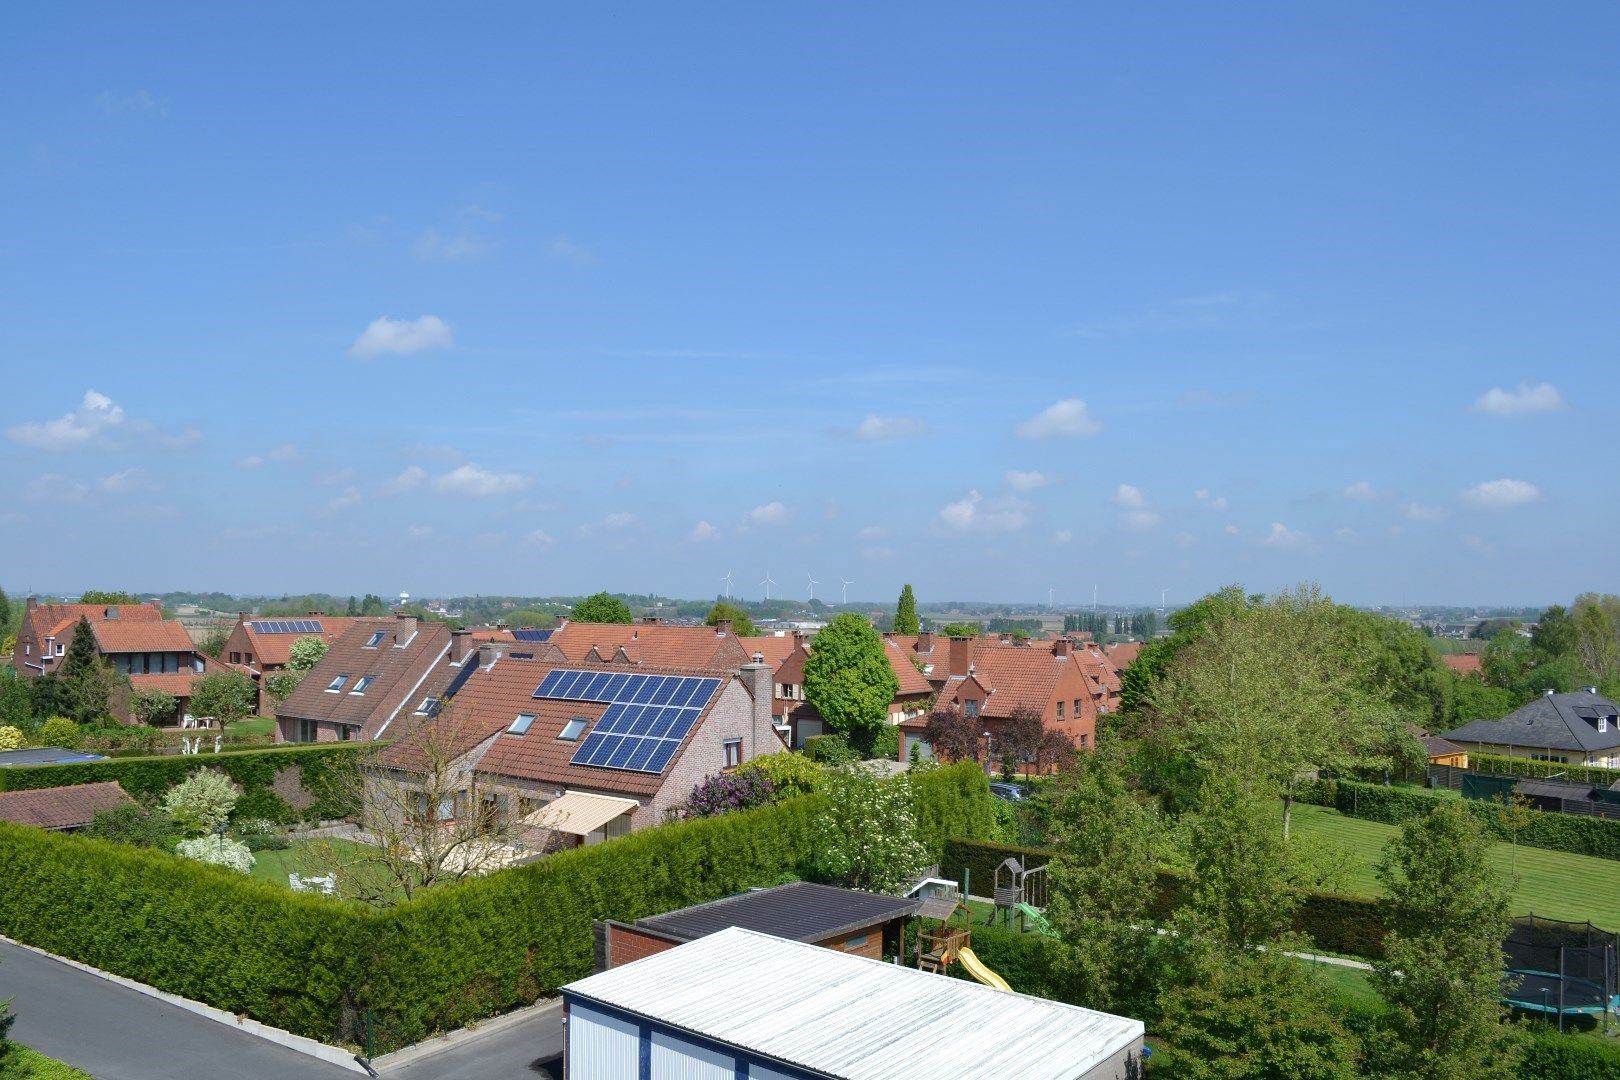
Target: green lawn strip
258, 725
1551, 883
18, 1062
276, 865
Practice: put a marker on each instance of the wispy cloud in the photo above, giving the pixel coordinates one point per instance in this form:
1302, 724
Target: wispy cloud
877, 553
1281, 536
571, 252
1501, 494
131, 103
99, 421
703, 532
474, 482
1069, 418
1540, 398
1214, 502
1416, 511
540, 538
1361, 491
280, 455
349, 499
1134, 511
973, 513
873, 532
771, 513
465, 237
876, 427
1062, 536
389, 335
1028, 481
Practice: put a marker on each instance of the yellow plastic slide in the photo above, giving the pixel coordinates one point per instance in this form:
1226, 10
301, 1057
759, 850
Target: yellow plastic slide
975, 967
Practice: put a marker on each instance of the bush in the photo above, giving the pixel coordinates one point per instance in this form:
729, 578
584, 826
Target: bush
789, 773
217, 851
866, 837
134, 825
886, 743
60, 731
1551, 1056
724, 793
153, 706
201, 802
830, 750
1512, 766
10, 737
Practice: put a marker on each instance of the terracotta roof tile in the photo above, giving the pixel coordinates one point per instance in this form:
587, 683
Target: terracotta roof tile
402, 673
658, 644
61, 807
1466, 664
274, 648
118, 636
1124, 653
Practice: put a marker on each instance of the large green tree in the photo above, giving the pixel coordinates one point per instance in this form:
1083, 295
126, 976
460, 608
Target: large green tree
85, 682
741, 624
848, 679
905, 613
5, 614
227, 696
1597, 635
99, 596
1447, 912
601, 608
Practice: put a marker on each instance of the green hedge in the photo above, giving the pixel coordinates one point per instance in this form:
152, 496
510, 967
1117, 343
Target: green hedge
452, 956
147, 778
1514, 766
1340, 924
1554, 832
1551, 1056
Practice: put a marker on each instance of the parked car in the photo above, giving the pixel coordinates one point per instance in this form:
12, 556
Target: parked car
1011, 792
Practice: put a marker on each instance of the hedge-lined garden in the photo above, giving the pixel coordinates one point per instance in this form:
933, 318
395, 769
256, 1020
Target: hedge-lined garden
315, 966
1541, 770
147, 778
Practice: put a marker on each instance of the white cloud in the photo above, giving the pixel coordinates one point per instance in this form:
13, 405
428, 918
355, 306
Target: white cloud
120, 483
96, 418
1062, 536
873, 532
419, 532
1281, 536
1416, 511
972, 513
1214, 502
876, 427
477, 483
452, 247
388, 335
877, 554
703, 532
280, 455
1543, 397
1346, 535
350, 498
1361, 490
540, 538
1232, 530
568, 251
1027, 481
1134, 511
413, 477
1501, 494
772, 513
1066, 418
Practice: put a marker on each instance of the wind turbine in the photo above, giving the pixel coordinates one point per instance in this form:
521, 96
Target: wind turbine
1162, 594
767, 583
727, 580
845, 584
813, 584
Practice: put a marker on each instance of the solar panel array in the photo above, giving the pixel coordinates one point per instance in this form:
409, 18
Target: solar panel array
646, 718
532, 635
286, 626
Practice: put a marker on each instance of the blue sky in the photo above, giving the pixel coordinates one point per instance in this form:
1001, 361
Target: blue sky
994, 299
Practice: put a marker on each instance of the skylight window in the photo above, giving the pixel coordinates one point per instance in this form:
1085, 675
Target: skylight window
364, 681
336, 684
429, 707
573, 729
376, 639
521, 724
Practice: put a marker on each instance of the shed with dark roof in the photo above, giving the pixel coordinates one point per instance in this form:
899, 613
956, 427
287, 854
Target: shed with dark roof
62, 808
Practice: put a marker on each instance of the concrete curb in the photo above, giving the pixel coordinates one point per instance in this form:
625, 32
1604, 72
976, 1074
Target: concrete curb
451, 1040
332, 1055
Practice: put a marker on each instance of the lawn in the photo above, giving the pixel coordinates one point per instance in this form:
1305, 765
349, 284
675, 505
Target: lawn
276, 865
1551, 883
17, 1062
257, 725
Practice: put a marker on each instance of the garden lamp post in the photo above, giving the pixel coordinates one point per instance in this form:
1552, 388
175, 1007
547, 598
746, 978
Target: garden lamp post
986, 737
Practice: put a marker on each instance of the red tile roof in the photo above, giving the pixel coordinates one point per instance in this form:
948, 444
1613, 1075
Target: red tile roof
176, 683
118, 636
61, 807
1466, 664
273, 648
403, 673
1124, 653
658, 644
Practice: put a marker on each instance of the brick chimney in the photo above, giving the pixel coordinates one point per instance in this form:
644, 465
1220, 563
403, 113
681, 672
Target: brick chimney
33, 602
961, 656
756, 676
925, 641
1060, 647
460, 645
488, 653
404, 628
723, 628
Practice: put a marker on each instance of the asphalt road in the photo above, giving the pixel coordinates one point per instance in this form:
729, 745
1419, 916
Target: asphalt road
116, 1034
530, 1050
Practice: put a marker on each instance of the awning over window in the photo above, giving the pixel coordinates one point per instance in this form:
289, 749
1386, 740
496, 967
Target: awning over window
579, 813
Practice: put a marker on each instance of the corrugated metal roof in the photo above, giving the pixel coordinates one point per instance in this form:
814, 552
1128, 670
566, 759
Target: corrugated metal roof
849, 1016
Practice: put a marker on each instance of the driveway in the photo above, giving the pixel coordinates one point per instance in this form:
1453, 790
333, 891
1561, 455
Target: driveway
117, 1034
530, 1049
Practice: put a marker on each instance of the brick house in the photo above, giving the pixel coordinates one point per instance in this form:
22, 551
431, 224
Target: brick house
650, 641
516, 733
377, 671
259, 645
787, 653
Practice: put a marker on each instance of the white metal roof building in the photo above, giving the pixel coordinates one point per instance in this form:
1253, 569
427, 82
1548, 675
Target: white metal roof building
739, 1003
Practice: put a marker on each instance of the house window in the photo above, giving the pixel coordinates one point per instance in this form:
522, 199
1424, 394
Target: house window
61, 650
236, 658
733, 753
307, 730
446, 810
363, 682
247, 658
856, 942
573, 729
429, 707
521, 723
971, 708
1060, 710
345, 732
376, 639
1603, 723
619, 826
1085, 740
1076, 706
336, 684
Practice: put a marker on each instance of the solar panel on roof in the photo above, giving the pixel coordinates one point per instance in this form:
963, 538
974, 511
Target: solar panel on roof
531, 635
646, 719
286, 626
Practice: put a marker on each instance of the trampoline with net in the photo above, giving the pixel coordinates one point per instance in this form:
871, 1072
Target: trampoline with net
1560, 968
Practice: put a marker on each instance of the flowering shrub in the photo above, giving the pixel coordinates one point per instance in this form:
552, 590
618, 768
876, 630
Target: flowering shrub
789, 773
727, 792
867, 836
10, 737
201, 801
217, 851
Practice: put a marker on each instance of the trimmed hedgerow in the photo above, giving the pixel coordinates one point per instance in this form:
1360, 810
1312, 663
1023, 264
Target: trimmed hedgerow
1551, 1056
1514, 766
147, 778
1554, 832
951, 801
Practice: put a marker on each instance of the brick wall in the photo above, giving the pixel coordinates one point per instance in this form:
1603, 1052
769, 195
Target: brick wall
622, 944
732, 717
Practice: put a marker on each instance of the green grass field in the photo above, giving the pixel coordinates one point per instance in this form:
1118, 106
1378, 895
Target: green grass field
258, 725
1551, 883
276, 865
18, 1062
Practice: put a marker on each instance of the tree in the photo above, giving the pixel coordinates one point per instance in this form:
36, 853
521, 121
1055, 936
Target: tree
1103, 883
1471, 699
107, 599
201, 802
60, 731
953, 736
1022, 736
85, 682
1597, 635
741, 624
1242, 895
213, 642
1554, 632
10, 737
305, 653
16, 700
153, 706
5, 615
960, 629
1486, 629
602, 608
847, 677
1447, 913
225, 696
867, 837
353, 609
373, 605
132, 824
905, 613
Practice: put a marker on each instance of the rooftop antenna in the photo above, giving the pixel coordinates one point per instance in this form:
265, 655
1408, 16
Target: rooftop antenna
813, 584
844, 599
767, 583
727, 580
